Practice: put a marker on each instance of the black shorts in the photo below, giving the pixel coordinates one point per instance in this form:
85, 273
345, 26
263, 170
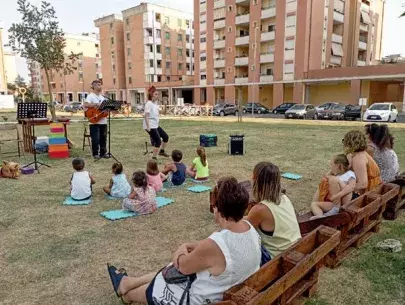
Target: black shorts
157, 135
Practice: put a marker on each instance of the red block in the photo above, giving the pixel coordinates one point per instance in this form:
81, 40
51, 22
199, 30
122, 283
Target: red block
59, 154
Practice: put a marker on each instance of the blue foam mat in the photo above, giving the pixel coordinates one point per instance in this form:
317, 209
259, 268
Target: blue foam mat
166, 185
291, 176
199, 188
108, 197
199, 181
121, 214
70, 201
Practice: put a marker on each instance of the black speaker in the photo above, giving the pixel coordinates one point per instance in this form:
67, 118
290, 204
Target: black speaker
237, 145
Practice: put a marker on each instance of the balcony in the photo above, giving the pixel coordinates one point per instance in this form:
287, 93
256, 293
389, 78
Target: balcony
158, 71
289, 54
339, 17
266, 58
362, 45
268, 12
158, 56
219, 81
189, 73
266, 78
158, 40
219, 44
336, 60
363, 27
240, 41
242, 19
290, 31
203, 65
242, 2
361, 63
291, 7
242, 61
337, 38
219, 63
203, 27
203, 82
219, 24
148, 40
267, 36
241, 79
219, 3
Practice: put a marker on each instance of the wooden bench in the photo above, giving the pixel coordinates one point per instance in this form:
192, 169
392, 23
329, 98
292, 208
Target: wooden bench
288, 276
396, 203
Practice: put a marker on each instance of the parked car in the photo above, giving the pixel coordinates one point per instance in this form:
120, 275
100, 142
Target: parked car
256, 107
352, 112
281, 109
73, 107
301, 111
386, 112
326, 106
224, 109
334, 111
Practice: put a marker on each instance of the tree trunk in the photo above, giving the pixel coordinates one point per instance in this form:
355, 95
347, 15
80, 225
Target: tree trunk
51, 105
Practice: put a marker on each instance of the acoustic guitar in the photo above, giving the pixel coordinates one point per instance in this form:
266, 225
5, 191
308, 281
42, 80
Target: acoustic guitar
94, 115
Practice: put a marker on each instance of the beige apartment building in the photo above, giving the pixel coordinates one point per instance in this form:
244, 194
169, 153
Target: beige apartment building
274, 51
3, 82
147, 45
75, 86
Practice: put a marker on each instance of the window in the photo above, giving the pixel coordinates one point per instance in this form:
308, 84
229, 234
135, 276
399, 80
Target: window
203, 76
167, 20
80, 76
203, 39
230, 8
113, 68
159, 64
158, 49
159, 78
229, 50
168, 78
128, 36
112, 40
168, 64
129, 51
96, 68
167, 50
151, 63
187, 38
114, 81
179, 52
179, 37
271, 28
79, 64
158, 33
151, 48
127, 21
129, 66
167, 35
269, 71
253, 67
180, 66
179, 22
130, 80
111, 25
204, 58
229, 29
112, 55
149, 32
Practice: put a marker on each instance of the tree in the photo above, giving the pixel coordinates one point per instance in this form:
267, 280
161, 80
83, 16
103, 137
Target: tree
403, 15
39, 38
20, 83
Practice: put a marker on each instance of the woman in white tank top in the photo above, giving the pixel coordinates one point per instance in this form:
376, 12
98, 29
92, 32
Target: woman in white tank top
223, 260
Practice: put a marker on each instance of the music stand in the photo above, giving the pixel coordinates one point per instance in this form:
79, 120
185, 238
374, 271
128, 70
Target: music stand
109, 105
33, 111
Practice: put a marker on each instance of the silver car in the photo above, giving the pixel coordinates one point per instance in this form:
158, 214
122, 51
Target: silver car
224, 109
301, 111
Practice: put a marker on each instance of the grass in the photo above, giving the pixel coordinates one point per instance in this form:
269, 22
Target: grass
53, 254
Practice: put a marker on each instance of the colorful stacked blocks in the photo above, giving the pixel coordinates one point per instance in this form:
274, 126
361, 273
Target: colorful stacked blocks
58, 147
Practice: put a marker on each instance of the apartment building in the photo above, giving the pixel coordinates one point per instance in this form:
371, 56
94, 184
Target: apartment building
3, 83
75, 86
147, 45
269, 51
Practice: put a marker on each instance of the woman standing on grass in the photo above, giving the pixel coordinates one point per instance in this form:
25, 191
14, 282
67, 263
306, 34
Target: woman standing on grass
151, 124
213, 265
380, 147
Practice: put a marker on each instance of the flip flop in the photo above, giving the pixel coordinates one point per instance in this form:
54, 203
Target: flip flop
115, 277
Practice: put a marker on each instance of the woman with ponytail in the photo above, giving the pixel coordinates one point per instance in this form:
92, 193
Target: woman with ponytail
142, 200
199, 169
158, 136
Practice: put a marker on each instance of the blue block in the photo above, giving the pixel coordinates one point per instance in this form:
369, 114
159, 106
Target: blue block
56, 141
291, 176
199, 188
70, 201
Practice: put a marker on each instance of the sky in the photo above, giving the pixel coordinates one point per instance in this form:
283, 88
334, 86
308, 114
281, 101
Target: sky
77, 16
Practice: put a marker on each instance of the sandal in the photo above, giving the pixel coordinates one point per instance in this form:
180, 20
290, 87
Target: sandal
115, 277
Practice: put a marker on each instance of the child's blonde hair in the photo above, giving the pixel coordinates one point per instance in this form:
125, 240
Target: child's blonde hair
203, 156
342, 161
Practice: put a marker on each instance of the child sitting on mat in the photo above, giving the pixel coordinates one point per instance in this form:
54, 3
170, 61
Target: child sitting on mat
175, 171
335, 189
81, 181
155, 178
199, 169
119, 186
142, 200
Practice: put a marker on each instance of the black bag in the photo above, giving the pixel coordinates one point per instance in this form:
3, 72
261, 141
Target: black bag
172, 275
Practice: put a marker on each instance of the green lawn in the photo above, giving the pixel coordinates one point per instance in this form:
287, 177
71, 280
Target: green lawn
53, 254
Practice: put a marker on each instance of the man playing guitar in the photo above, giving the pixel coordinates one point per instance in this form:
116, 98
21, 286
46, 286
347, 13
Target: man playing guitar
98, 130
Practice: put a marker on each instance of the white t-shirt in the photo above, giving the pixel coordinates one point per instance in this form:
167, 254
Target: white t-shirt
153, 110
345, 178
81, 185
93, 98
